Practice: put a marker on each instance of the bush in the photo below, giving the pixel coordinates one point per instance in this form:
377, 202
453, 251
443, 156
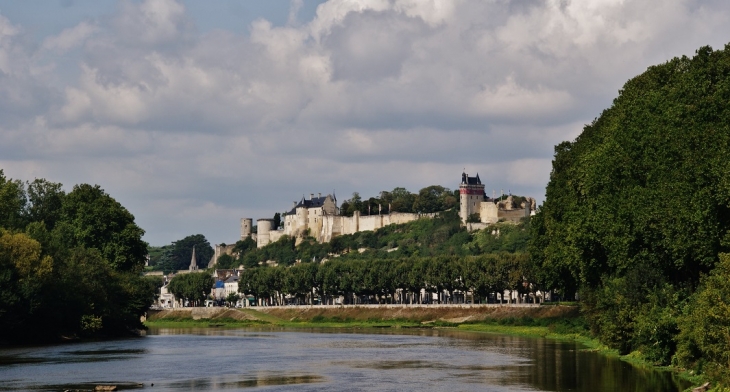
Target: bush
704, 338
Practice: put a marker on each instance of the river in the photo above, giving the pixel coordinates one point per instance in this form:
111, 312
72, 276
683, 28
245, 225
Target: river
324, 360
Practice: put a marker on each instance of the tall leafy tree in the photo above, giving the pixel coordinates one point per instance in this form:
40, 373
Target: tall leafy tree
98, 221
194, 286
182, 252
13, 200
399, 200
45, 200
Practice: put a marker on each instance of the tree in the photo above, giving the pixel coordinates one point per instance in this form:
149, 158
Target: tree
244, 245
277, 221
705, 335
45, 200
98, 221
23, 273
12, 202
182, 252
355, 203
232, 299
399, 200
434, 198
225, 261
193, 286
70, 266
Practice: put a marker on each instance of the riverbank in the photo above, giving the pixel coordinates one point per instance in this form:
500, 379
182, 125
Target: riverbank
554, 322
382, 315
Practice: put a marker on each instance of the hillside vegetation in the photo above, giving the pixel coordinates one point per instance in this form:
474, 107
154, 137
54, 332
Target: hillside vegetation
637, 216
431, 254
440, 236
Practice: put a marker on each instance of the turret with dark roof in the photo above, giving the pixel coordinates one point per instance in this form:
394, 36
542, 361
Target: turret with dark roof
313, 202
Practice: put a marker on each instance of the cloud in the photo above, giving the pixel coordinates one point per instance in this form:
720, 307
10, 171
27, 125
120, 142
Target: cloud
70, 37
191, 129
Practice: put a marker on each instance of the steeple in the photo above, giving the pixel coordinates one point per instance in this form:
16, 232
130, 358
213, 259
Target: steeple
193, 262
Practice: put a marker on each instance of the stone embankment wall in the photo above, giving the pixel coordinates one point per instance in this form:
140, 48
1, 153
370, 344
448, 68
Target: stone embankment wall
198, 313
416, 312
421, 313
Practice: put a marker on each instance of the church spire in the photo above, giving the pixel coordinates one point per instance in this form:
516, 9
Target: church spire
193, 262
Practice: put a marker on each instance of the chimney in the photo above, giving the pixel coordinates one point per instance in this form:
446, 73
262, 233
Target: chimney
319, 194
295, 204
311, 196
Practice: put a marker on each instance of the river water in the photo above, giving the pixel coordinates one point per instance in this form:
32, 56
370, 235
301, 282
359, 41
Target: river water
324, 360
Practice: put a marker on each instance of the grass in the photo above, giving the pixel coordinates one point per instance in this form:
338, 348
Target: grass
175, 322
561, 328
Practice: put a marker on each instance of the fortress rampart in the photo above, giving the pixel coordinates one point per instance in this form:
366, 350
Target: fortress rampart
319, 217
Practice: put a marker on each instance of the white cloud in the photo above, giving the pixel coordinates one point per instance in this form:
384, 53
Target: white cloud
151, 22
70, 37
511, 100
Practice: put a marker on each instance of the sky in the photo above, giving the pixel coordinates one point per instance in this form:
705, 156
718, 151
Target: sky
195, 114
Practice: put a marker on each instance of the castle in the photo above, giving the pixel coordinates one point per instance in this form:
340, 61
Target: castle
319, 217
473, 200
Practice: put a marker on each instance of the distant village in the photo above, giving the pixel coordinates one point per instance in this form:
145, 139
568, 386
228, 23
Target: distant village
321, 218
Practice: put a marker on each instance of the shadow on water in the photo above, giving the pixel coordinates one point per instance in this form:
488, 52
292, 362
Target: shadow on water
108, 352
87, 386
204, 383
248, 381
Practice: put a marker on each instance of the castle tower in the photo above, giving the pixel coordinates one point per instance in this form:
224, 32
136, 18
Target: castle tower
246, 224
193, 262
471, 195
264, 228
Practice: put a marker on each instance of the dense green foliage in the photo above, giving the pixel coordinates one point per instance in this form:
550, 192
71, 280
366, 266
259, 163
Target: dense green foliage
193, 287
177, 256
378, 280
69, 263
705, 335
637, 210
157, 254
94, 219
430, 199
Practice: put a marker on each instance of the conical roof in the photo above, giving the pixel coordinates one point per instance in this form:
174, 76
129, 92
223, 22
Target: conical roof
193, 262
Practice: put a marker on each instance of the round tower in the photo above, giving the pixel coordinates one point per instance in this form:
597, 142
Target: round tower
246, 225
302, 217
263, 236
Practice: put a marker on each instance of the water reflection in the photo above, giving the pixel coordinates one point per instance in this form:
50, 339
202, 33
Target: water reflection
251, 381
380, 359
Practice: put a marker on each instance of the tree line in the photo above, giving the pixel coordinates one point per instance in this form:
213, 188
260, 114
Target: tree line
70, 263
401, 281
430, 199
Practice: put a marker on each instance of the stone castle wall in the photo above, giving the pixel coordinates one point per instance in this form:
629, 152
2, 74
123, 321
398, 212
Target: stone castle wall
220, 250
